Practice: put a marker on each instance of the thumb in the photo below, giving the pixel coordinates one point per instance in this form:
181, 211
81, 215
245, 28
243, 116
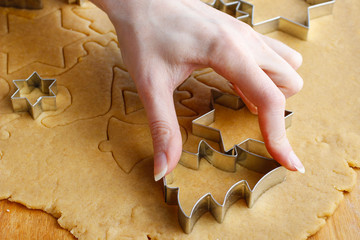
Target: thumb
157, 98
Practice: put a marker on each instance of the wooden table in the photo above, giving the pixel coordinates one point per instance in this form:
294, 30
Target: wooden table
18, 222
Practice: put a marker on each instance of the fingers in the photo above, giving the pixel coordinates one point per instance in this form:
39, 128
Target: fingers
278, 68
280, 62
243, 71
157, 98
291, 56
252, 108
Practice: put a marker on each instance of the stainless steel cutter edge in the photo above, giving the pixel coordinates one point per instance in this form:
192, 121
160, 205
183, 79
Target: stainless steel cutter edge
240, 154
237, 191
43, 103
200, 125
244, 11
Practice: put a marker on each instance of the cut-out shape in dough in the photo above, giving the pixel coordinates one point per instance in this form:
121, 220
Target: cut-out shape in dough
4, 89
3, 24
27, 4
4, 120
63, 101
126, 103
91, 94
44, 43
100, 21
132, 102
123, 84
215, 80
181, 109
3, 63
193, 184
129, 143
236, 125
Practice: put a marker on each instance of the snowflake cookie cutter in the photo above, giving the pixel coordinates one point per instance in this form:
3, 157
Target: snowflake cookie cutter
251, 154
25, 4
43, 103
244, 11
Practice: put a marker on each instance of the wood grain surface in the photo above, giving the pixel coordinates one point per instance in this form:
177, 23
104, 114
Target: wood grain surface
18, 222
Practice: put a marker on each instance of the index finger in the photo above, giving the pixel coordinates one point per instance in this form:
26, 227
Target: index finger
237, 65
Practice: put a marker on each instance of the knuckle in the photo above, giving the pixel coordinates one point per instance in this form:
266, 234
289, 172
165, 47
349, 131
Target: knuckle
218, 42
226, 38
223, 45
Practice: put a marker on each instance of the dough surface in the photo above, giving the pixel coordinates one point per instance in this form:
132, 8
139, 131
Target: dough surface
89, 163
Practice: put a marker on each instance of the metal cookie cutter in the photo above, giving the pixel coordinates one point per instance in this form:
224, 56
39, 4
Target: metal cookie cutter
28, 4
251, 154
244, 11
43, 103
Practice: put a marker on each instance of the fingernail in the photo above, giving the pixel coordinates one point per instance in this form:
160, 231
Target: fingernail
254, 110
296, 162
161, 165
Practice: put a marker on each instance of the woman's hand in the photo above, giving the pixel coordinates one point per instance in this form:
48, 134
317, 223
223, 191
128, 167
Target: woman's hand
163, 41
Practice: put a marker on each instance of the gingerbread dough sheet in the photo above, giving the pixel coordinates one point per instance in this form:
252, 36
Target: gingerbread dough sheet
89, 163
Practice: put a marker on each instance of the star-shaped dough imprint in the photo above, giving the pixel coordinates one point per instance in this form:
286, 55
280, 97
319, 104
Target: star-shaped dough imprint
43, 35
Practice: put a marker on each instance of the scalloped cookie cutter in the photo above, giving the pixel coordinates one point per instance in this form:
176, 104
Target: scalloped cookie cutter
26, 4
43, 103
251, 154
244, 11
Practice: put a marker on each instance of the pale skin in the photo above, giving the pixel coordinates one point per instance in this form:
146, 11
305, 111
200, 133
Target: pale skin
163, 41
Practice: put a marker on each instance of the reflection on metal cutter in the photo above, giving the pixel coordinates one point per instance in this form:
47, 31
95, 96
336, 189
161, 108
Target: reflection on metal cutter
248, 154
244, 11
43, 103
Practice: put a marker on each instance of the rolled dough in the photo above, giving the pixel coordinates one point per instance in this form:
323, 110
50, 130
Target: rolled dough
67, 162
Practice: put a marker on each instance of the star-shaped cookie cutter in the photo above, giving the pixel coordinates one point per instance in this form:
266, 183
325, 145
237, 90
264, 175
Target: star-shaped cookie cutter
26, 4
43, 103
244, 11
251, 154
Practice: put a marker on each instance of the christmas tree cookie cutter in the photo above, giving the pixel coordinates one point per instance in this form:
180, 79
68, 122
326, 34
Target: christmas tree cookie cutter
244, 11
249, 154
26, 4
43, 103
